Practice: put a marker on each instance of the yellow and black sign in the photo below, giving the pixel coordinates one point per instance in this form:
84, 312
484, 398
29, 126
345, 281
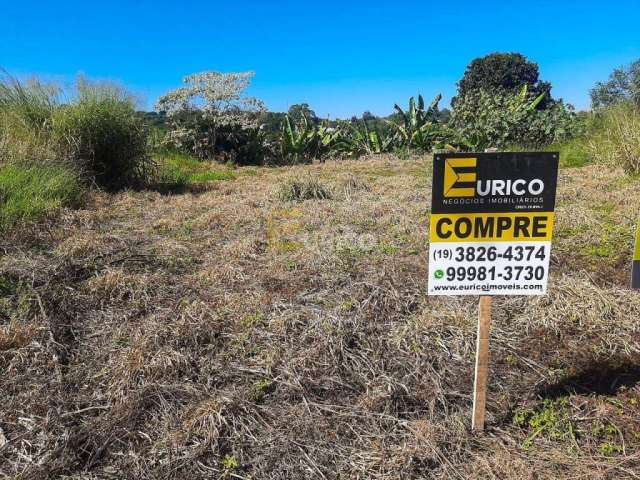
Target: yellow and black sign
453, 177
492, 227
491, 223
494, 182
493, 197
635, 275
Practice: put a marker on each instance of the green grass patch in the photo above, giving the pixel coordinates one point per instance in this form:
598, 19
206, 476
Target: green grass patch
383, 172
200, 177
182, 160
251, 320
6, 286
177, 171
550, 420
612, 242
623, 182
605, 208
31, 193
568, 232
248, 172
261, 388
573, 153
184, 232
287, 245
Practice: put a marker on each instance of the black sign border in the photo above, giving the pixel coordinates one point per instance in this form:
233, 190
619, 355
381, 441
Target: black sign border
502, 165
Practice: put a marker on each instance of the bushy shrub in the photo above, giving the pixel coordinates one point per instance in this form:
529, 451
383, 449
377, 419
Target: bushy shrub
616, 140
32, 192
194, 133
31, 103
244, 146
354, 139
498, 119
101, 134
18, 142
97, 133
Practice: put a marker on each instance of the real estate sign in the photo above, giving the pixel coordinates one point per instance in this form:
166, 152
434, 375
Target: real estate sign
635, 270
491, 223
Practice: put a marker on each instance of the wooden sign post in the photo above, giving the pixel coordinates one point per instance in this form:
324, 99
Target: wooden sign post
491, 225
481, 373
482, 363
635, 268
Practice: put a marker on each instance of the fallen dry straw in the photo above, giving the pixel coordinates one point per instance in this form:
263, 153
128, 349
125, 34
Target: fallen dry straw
232, 334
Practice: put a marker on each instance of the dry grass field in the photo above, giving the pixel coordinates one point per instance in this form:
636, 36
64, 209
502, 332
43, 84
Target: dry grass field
226, 333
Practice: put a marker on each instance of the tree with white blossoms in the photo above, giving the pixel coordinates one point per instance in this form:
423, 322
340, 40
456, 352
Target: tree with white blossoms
211, 113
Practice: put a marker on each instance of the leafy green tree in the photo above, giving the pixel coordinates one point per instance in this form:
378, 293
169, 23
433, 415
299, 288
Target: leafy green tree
623, 85
272, 122
504, 119
153, 119
368, 116
502, 72
211, 115
298, 111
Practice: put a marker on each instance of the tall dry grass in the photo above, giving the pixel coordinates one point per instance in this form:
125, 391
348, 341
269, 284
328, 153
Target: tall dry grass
50, 150
96, 133
233, 334
100, 133
617, 140
26, 111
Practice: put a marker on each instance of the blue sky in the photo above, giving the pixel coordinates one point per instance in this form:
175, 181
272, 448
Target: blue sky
340, 57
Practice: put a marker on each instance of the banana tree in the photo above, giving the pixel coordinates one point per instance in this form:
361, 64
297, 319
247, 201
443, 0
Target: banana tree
417, 128
302, 141
522, 102
359, 139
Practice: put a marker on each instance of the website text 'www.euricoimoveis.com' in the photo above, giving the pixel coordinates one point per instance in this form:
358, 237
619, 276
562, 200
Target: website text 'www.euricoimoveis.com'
484, 287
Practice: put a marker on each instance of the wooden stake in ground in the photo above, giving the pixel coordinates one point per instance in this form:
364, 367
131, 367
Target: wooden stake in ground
482, 364
635, 269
